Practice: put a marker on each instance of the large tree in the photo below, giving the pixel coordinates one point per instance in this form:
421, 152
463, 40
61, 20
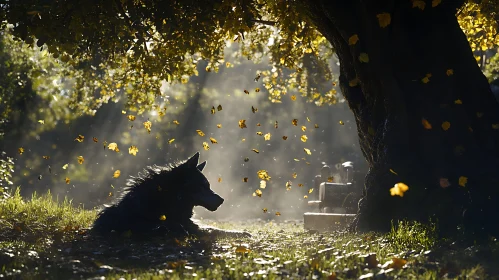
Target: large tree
424, 110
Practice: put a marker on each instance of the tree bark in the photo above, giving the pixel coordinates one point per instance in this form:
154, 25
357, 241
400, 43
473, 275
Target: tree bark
420, 67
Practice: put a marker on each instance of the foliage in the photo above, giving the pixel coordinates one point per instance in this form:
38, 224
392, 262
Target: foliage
40, 236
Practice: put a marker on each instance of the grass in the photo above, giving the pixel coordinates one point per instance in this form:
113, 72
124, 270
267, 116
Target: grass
42, 238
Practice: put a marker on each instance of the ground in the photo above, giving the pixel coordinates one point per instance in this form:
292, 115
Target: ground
43, 238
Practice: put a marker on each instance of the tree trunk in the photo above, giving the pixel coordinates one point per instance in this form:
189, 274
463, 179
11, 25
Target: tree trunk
420, 67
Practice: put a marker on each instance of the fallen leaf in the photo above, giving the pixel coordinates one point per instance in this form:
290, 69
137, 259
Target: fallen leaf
80, 138
116, 174
131, 118
263, 174
242, 124
201, 133
68, 180
80, 159
113, 146
133, 150
20, 150
307, 151
206, 147
147, 126
258, 193
263, 184
256, 151
267, 136
219, 125
294, 122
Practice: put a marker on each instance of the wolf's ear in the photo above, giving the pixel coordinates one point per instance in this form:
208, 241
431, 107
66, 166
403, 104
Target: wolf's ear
193, 161
202, 165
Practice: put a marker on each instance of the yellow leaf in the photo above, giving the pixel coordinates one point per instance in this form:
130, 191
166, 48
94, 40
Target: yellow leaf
458, 101
353, 82
293, 97
113, 146
46, 157
391, 170
131, 118
341, 122
257, 89
278, 213
242, 124
95, 139
206, 147
20, 150
294, 175
300, 185
171, 140
446, 125
288, 185
213, 140
176, 122
384, 19
294, 122
316, 126
162, 218
284, 137
399, 189
303, 128
265, 210
65, 166
330, 179
68, 180
263, 184
133, 150
353, 39
242, 250
256, 151
116, 174
219, 125
80, 159
148, 125
80, 138
267, 136
307, 151
418, 4
245, 91
435, 3
304, 138
462, 181
364, 57
426, 124
259, 133
449, 72
200, 132
213, 110
258, 193
41, 121
263, 174
220, 179
310, 190
308, 120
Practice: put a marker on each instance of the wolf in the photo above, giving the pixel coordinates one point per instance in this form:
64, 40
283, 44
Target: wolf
161, 201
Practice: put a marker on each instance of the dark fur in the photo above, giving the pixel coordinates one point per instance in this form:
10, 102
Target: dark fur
172, 191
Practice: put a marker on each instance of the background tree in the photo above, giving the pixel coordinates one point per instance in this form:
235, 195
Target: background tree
424, 111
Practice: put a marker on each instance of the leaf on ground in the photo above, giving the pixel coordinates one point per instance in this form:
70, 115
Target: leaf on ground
148, 126
258, 193
206, 147
213, 140
80, 138
242, 123
391, 170
263, 174
263, 184
80, 159
113, 146
307, 151
116, 174
267, 136
133, 150
201, 133
294, 122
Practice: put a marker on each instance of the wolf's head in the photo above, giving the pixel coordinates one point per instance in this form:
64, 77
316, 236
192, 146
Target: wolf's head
196, 188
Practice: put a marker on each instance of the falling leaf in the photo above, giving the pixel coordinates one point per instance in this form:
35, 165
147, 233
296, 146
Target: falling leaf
133, 150
242, 124
307, 151
257, 89
267, 136
294, 175
242, 250
213, 140
284, 137
384, 19
294, 122
245, 91
262, 174
80, 159
171, 140
80, 138
206, 147
116, 174
41, 121
354, 82
353, 39
213, 110
258, 124
330, 179
310, 191
123, 112
263, 184
162, 218
391, 170
113, 146
435, 3
495, 126
246, 159
95, 139
418, 4
278, 213
219, 108
449, 72
458, 101
256, 151
288, 185
399, 189
131, 118
245, 179
176, 122
304, 138
426, 124
305, 196
20, 150
303, 128
67, 180
265, 210
220, 179
316, 126
341, 123
200, 132
259, 133
463, 181
445, 126
364, 57
258, 193
300, 185
293, 97
147, 126
444, 183
257, 77
65, 166
425, 80
397, 263
219, 125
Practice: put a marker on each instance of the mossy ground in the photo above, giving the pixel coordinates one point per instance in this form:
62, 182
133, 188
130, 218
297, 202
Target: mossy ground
42, 238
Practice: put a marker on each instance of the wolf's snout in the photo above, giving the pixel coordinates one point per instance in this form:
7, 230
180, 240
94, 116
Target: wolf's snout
209, 200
